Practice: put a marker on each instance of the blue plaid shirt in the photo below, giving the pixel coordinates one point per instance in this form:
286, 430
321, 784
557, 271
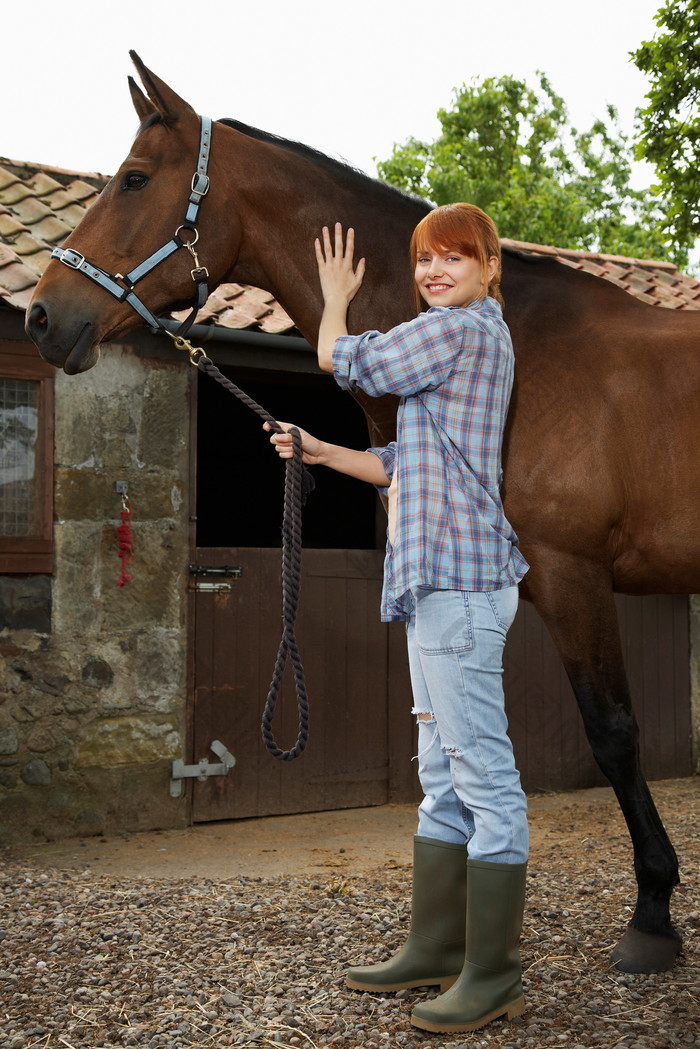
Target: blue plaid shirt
452, 367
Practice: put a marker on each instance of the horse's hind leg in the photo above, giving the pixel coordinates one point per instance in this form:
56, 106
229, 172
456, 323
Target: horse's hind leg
576, 603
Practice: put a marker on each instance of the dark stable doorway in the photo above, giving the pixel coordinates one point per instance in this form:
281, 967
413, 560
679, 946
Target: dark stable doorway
240, 479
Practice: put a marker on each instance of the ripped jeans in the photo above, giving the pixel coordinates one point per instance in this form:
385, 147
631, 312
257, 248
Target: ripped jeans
465, 758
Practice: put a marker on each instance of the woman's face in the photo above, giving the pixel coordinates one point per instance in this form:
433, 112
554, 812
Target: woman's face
448, 278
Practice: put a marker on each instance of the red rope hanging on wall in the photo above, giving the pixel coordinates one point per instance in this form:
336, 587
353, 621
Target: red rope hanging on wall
125, 540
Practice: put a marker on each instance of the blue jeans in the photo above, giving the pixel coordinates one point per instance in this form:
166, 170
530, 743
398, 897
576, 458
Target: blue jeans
465, 758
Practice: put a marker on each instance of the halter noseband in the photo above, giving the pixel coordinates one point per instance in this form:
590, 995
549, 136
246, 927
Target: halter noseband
124, 291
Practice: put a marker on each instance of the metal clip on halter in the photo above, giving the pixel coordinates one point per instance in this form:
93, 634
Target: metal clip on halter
196, 353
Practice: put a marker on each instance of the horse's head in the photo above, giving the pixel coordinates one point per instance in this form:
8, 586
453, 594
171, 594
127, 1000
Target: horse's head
142, 209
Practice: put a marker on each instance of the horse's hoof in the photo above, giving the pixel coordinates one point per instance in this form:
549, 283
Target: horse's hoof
640, 952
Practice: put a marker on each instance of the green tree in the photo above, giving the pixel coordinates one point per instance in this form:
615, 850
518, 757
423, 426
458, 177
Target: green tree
670, 124
509, 148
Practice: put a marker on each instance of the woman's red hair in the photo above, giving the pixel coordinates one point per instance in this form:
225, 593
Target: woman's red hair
466, 229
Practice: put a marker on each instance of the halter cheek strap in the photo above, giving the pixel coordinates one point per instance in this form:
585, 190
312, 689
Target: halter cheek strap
122, 287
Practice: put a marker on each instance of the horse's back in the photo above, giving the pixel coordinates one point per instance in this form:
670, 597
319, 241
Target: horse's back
601, 454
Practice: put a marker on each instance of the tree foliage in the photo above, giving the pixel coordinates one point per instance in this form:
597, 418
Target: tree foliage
509, 148
670, 124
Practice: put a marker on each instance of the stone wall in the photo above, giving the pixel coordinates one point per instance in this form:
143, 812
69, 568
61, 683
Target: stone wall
92, 711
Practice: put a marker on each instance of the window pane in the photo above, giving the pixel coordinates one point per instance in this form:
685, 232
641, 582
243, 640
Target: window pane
19, 419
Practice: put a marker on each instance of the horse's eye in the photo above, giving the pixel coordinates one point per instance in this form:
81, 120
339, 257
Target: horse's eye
134, 180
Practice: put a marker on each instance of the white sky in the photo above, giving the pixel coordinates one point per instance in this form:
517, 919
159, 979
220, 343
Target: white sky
350, 79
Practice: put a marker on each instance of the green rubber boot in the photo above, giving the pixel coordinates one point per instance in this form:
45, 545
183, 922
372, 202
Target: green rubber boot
490, 983
434, 950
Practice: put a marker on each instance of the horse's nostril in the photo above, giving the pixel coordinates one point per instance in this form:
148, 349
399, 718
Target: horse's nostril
38, 320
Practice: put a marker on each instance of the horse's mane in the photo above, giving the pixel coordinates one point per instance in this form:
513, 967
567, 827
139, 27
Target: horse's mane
341, 169
345, 172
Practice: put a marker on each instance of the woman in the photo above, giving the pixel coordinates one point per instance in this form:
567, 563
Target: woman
451, 571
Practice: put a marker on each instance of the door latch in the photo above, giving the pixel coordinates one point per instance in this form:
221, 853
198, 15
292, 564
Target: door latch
202, 770
211, 579
207, 587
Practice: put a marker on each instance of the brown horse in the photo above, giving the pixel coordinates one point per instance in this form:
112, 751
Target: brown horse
602, 472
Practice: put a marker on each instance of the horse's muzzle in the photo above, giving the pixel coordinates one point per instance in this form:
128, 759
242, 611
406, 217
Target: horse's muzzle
75, 349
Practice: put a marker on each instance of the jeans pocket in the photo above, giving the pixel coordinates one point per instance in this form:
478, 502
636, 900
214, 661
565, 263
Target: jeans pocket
443, 621
504, 604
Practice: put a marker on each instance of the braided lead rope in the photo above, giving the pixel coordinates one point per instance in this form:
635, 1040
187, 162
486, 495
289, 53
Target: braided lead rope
297, 484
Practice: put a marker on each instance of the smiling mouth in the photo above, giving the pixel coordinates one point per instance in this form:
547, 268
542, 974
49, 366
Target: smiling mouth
439, 287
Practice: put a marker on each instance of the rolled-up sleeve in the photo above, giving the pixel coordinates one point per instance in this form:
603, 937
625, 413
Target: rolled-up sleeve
412, 358
387, 457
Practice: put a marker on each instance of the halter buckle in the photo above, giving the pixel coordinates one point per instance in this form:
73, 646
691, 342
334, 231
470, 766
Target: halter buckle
73, 259
200, 184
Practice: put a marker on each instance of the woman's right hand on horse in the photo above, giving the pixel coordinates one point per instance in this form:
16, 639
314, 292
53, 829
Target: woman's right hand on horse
340, 282
282, 443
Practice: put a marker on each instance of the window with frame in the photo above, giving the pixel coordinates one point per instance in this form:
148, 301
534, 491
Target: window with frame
26, 460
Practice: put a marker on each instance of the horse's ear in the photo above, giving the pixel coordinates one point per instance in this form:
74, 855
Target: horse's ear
163, 99
143, 107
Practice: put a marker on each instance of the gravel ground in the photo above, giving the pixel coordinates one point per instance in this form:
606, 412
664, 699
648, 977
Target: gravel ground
97, 960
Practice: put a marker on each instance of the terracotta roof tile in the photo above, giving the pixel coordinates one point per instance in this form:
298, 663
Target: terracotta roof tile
12, 188
613, 271
667, 278
71, 214
23, 242
36, 262
28, 209
49, 229
21, 299
240, 318
276, 323
40, 205
7, 255
6, 178
16, 277
9, 226
618, 281
57, 199
231, 290
240, 307
12, 191
41, 183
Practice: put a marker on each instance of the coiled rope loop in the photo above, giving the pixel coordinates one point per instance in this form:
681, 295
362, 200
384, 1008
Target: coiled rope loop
298, 484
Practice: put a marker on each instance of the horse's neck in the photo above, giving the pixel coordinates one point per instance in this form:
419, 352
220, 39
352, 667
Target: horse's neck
277, 252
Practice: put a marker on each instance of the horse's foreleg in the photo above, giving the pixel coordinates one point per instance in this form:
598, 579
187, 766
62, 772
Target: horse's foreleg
577, 605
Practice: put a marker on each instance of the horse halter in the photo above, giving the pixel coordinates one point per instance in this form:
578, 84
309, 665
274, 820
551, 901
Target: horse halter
124, 291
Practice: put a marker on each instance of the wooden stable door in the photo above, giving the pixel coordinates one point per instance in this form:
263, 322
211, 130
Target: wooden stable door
348, 657
356, 667
361, 732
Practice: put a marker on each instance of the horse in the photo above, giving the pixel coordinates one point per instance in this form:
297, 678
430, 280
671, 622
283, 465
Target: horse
601, 464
